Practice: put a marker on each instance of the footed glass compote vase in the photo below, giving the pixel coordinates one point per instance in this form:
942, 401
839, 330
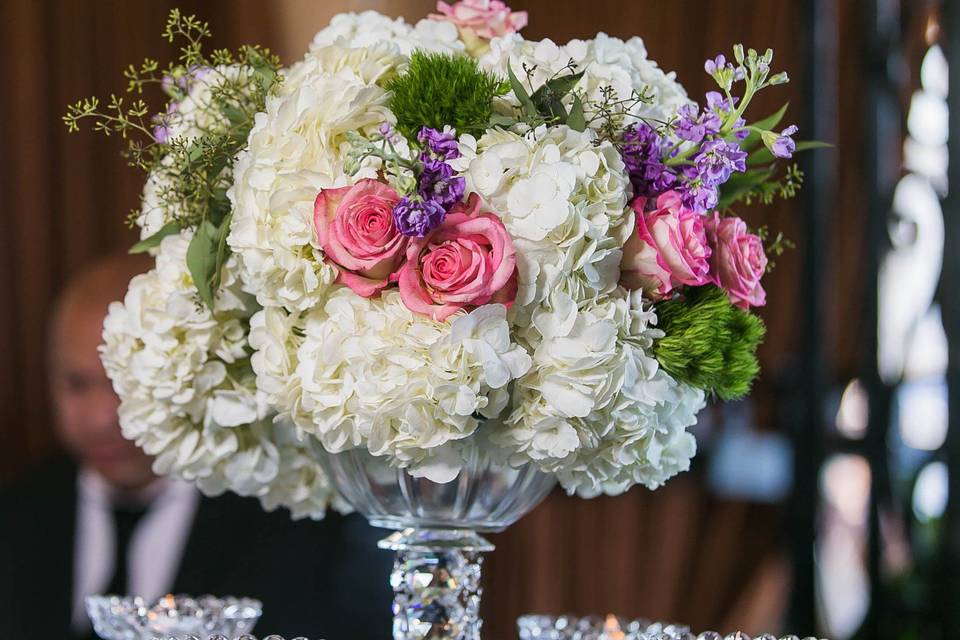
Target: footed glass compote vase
437, 541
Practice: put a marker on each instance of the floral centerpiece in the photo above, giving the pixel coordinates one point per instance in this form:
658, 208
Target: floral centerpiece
424, 240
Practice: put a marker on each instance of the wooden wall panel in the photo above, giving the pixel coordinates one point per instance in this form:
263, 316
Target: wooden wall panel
65, 196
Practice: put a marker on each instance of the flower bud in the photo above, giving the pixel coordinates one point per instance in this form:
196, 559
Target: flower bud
738, 53
780, 78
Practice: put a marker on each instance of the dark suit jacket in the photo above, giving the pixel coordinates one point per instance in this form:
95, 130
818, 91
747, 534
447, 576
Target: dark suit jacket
317, 579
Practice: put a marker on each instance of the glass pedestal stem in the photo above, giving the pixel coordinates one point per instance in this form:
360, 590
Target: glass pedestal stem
436, 583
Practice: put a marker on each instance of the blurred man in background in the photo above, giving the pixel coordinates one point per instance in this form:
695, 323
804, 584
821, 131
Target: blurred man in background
99, 520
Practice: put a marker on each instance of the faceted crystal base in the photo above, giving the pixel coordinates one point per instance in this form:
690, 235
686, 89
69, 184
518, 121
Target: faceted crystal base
436, 584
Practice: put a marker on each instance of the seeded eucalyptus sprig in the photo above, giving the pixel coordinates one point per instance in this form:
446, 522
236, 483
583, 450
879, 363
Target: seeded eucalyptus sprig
189, 159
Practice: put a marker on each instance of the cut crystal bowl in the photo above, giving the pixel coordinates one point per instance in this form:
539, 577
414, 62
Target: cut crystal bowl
486, 496
133, 618
568, 627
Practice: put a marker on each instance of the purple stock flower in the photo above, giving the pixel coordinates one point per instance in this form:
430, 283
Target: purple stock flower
784, 146
695, 193
740, 132
717, 160
718, 63
442, 145
724, 72
438, 184
694, 126
720, 105
161, 123
642, 153
179, 85
417, 217
716, 102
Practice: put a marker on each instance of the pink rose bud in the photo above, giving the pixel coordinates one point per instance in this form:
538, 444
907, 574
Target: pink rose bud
355, 229
486, 19
467, 261
738, 261
668, 248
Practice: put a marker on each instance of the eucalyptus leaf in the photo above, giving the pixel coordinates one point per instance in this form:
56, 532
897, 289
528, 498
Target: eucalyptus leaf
529, 109
576, 120
234, 114
202, 260
154, 240
223, 252
556, 111
263, 71
556, 88
500, 120
218, 206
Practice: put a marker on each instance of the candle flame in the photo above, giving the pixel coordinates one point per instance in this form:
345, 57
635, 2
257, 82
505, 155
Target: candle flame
611, 628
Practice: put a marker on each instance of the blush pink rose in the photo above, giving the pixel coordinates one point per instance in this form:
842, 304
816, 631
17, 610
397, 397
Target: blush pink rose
668, 248
468, 260
485, 18
738, 262
355, 229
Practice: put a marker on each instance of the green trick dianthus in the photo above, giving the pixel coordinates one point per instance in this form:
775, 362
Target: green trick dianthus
439, 89
709, 343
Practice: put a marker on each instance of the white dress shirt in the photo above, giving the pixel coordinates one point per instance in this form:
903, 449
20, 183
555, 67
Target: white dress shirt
156, 547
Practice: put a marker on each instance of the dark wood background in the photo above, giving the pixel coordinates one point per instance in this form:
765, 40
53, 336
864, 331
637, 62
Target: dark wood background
678, 553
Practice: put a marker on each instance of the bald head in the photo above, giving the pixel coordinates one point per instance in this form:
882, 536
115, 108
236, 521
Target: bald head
88, 294
84, 402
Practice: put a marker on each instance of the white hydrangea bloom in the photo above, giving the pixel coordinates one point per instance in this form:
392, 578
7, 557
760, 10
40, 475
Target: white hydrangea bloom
275, 337
564, 200
369, 28
300, 484
374, 374
188, 395
296, 148
595, 408
605, 61
643, 444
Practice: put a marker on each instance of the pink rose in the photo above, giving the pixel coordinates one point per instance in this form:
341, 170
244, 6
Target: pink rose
738, 261
468, 260
667, 249
485, 18
355, 229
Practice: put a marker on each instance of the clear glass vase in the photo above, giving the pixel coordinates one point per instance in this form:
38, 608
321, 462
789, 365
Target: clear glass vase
437, 542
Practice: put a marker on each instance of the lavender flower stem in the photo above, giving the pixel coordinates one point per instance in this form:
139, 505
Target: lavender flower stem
736, 115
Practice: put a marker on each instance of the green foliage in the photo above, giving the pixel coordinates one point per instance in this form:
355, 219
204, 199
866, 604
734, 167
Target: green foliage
761, 185
192, 173
709, 343
545, 105
169, 229
205, 257
773, 245
439, 89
